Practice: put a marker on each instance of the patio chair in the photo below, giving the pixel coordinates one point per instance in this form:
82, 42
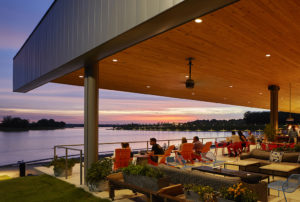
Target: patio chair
263, 146
161, 158
287, 186
204, 151
235, 148
187, 152
272, 146
220, 145
212, 159
122, 158
177, 161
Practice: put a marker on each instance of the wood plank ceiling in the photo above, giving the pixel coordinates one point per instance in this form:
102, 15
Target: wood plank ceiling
230, 66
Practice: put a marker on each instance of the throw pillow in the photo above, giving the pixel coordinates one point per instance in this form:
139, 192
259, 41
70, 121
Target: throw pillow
276, 156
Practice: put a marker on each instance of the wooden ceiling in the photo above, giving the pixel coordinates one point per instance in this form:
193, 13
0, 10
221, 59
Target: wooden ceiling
229, 48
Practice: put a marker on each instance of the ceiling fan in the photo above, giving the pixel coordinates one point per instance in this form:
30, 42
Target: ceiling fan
189, 83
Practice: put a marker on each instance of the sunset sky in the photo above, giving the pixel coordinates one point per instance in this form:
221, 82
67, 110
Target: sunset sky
65, 103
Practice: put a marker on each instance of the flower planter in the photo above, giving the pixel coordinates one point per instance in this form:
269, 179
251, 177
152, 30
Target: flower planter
191, 195
224, 200
62, 172
98, 186
146, 182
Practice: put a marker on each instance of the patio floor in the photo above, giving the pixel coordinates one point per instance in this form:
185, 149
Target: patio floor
127, 195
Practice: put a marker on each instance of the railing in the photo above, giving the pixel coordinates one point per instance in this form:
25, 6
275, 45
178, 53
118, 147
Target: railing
66, 158
69, 147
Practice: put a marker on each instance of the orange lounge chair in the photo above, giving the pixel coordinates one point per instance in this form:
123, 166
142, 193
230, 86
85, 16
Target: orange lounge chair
204, 150
122, 158
162, 157
187, 152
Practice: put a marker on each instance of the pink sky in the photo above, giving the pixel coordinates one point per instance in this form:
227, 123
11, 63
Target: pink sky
65, 103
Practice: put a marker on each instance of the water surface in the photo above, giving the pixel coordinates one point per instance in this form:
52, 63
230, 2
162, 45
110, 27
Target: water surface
38, 144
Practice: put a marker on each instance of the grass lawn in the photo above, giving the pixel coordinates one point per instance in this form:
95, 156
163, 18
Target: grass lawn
42, 188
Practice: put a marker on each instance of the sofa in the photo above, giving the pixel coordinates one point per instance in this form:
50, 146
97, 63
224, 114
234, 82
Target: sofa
183, 176
288, 158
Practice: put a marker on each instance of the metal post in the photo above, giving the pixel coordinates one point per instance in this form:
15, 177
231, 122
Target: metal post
66, 169
91, 113
274, 106
54, 152
168, 143
80, 167
147, 145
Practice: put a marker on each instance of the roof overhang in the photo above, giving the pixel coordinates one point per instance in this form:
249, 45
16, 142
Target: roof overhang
73, 34
229, 48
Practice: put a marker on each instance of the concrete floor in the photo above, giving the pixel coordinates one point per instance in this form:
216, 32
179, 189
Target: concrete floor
127, 195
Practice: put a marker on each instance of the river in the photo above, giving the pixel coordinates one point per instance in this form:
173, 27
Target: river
38, 144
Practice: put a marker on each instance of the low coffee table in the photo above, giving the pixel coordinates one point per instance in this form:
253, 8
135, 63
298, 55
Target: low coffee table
245, 176
280, 167
242, 164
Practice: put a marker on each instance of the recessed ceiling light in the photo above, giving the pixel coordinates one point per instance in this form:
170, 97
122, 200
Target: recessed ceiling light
198, 20
193, 93
260, 93
148, 86
230, 86
115, 60
268, 55
249, 102
186, 76
81, 76
225, 98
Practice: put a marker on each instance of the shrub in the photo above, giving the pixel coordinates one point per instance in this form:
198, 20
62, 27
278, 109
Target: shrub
60, 164
99, 170
143, 170
206, 193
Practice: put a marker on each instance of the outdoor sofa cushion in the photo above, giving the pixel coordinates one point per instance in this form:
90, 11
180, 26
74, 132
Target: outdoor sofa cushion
291, 157
260, 154
183, 176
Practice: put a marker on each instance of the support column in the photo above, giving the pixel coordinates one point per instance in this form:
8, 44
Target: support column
91, 101
274, 105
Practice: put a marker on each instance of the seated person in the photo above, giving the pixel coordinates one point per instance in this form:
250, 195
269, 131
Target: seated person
243, 139
197, 145
251, 138
124, 145
183, 140
156, 150
233, 139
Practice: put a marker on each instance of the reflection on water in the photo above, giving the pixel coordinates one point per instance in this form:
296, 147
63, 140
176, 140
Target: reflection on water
32, 145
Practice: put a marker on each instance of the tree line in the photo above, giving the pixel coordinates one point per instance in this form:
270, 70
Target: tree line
251, 121
10, 123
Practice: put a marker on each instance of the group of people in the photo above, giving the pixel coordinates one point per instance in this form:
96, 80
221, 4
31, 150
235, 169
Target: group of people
198, 145
157, 149
238, 138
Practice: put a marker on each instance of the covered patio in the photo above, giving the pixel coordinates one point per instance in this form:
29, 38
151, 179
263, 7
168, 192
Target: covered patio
245, 53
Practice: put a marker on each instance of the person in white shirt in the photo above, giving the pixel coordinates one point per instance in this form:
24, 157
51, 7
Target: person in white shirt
233, 139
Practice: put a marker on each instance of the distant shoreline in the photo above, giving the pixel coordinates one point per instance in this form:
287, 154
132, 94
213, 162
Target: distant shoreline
6, 129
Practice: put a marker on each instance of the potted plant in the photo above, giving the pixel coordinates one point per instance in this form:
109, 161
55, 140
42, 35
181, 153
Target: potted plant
270, 132
145, 177
237, 193
59, 166
97, 173
200, 193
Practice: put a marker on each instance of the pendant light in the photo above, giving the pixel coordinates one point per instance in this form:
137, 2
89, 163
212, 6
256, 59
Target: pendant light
290, 118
